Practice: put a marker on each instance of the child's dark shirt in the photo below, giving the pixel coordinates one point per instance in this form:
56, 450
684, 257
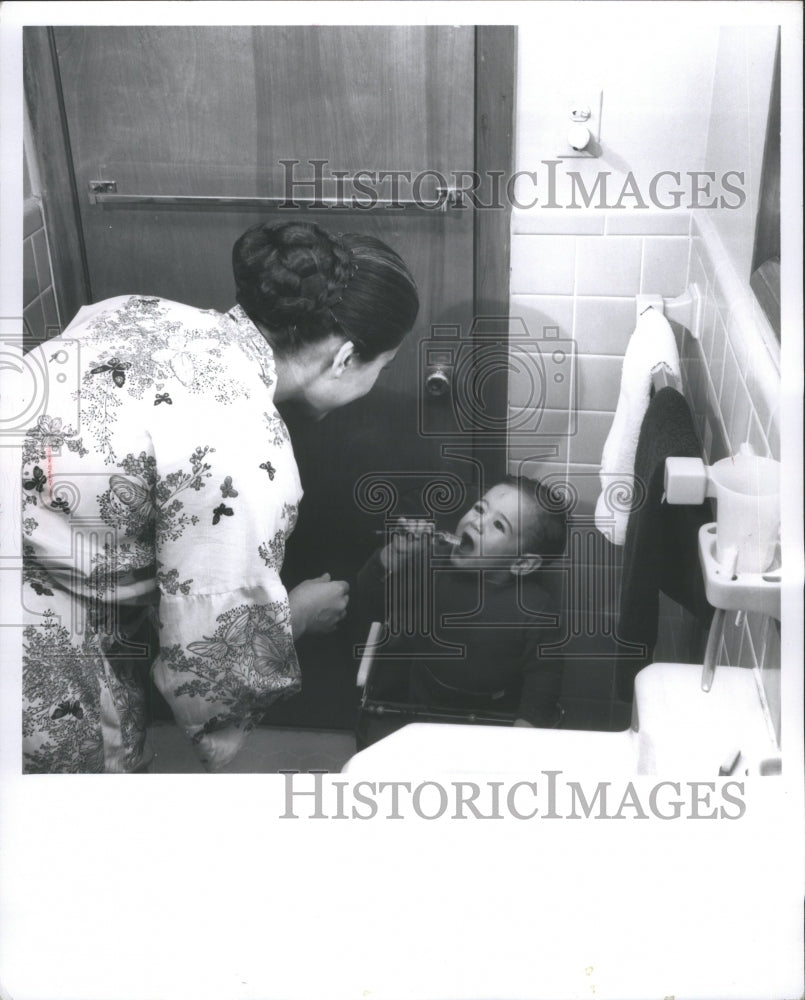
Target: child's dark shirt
498, 628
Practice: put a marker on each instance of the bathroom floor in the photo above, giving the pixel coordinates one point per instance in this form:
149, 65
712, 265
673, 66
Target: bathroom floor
269, 750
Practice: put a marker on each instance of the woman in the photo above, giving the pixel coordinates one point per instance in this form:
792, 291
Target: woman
159, 486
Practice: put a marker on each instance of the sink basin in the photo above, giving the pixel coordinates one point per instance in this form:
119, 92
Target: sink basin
679, 731
684, 731
429, 748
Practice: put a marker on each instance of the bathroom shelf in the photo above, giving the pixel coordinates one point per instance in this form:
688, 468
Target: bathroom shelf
743, 592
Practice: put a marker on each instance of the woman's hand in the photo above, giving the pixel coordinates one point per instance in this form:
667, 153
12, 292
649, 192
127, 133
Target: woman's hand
318, 605
409, 536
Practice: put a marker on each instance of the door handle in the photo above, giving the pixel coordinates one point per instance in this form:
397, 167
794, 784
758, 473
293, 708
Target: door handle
437, 380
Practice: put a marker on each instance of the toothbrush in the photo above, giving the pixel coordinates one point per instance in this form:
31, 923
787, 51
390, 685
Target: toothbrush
444, 536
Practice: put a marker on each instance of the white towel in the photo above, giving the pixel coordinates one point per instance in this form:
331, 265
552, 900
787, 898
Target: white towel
652, 346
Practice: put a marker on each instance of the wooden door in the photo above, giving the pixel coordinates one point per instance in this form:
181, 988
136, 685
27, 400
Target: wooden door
192, 124
214, 112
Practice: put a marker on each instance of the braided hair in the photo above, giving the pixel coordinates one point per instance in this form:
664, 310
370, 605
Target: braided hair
301, 284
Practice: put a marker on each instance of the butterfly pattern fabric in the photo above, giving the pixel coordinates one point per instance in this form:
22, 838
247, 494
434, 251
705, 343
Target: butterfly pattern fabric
117, 369
180, 512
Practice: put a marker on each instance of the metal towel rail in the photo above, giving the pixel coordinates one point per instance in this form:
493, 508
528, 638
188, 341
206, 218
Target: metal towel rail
105, 193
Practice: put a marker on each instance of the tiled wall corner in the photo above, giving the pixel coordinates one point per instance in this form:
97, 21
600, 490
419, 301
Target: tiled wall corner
41, 315
741, 351
733, 379
40, 310
574, 282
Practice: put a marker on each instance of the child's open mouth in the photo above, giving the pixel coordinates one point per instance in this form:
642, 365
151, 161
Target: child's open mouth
467, 544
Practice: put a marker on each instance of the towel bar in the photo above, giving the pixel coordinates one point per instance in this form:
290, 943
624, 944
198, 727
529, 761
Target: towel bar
684, 309
104, 193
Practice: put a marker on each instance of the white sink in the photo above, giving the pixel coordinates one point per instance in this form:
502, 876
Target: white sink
678, 731
435, 748
685, 731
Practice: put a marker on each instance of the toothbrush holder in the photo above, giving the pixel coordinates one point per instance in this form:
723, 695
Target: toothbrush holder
746, 489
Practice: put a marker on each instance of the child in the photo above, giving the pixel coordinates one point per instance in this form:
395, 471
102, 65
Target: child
465, 614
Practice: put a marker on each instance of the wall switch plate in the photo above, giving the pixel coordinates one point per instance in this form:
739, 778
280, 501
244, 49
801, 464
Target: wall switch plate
575, 112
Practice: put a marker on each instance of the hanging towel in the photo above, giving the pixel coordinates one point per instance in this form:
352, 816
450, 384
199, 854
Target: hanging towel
661, 551
651, 346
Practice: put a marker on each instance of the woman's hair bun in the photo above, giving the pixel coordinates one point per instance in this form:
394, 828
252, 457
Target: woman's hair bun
302, 284
289, 274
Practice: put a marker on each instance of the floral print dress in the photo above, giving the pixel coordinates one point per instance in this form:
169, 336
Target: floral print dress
159, 486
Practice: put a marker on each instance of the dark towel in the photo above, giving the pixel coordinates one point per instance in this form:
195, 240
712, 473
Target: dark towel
661, 550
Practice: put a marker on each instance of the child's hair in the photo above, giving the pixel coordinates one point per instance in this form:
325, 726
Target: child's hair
543, 529
302, 283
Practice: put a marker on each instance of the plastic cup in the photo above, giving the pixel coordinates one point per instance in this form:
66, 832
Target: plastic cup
747, 494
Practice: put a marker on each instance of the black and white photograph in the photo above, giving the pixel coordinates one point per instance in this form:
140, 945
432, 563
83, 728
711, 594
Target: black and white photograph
401, 528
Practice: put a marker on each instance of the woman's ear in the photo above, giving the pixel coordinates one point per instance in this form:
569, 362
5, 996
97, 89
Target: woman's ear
344, 354
526, 563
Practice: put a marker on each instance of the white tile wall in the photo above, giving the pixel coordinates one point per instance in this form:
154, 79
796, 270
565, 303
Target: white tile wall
616, 271
575, 276
665, 264
544, 263
740, 382
574, 279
